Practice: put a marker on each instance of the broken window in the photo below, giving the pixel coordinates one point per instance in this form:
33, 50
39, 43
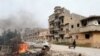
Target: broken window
61, 18
84, 23
72, 26
78, 25
99, 22
61, 29
62, 36
88, 35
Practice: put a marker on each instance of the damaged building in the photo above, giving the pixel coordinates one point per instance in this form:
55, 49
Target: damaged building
44, 34
89, 33
63, 25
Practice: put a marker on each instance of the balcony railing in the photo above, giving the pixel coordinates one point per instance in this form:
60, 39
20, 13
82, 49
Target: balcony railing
56, 29
56, 20
51, 19
51, 26
62, 24
56, 35
61, 32
90, 28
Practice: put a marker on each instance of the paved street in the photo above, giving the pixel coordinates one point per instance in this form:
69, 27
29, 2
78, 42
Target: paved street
83, 50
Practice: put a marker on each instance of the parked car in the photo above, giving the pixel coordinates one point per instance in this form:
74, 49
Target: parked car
38, 44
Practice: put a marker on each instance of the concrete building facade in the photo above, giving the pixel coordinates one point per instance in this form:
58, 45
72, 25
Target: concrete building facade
44, 35
90, 31
31, 35
63, 24
56, 22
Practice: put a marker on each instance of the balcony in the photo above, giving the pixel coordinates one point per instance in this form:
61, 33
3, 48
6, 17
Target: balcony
61, 32
61, 14
62, 24
90, 28
56, 29
56, 35
51, 27
51, 18
56, 20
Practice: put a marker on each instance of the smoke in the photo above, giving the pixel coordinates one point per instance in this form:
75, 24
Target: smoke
19, 20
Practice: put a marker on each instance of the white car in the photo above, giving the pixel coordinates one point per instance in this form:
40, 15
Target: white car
38, 44
41, 43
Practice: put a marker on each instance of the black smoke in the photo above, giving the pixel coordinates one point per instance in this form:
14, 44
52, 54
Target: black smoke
19, 20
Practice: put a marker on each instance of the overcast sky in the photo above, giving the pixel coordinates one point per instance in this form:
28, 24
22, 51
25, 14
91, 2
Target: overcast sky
41, 9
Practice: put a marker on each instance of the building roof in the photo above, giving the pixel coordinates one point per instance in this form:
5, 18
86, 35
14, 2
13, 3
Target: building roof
57, 7
74, 15
91, 18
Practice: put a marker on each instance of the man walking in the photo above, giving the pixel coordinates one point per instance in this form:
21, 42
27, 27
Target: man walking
74, 43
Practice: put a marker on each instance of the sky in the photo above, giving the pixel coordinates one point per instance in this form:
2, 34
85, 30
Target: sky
41, 9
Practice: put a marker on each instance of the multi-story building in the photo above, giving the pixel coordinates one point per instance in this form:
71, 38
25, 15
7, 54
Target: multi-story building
85, 30
62, 23
89, 33
31, 34
44, 34
56, 22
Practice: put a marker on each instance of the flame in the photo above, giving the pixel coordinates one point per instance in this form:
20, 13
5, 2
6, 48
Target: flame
23, 47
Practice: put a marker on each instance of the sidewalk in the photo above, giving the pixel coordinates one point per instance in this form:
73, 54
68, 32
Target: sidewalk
83, 50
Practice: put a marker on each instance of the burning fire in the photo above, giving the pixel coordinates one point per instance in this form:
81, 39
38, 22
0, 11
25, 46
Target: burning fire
23, 47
